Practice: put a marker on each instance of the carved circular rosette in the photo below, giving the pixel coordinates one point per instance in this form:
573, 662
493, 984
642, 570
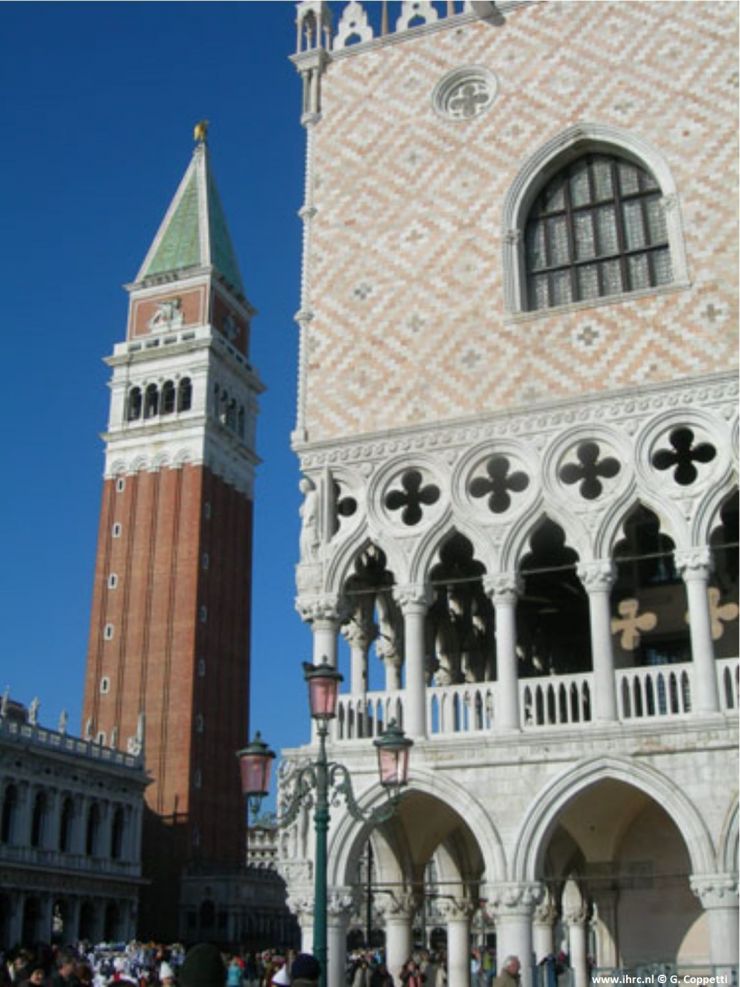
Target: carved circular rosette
597, 576
715, 890
503, 587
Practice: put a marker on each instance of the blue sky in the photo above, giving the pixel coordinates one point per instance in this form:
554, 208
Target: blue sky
99, 102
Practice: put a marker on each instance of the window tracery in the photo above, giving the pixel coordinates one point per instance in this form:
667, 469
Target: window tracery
597, 228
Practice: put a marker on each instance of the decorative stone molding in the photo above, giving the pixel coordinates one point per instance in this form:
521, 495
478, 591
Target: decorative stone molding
514, 896
321, 608
628, 410
340, 902
546, 911
694, 563
399, 904
413, 9
504, 587
528, 182
353, 26
413, 598
597, 576
456, 909
464, 93
715, 890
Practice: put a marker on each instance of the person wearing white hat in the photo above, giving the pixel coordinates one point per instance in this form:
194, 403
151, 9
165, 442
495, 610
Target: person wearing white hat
282, 977
166, 975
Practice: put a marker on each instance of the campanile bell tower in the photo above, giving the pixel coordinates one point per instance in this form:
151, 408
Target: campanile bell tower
168, 657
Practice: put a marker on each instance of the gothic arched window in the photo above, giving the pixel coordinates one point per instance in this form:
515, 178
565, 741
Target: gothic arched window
597, 228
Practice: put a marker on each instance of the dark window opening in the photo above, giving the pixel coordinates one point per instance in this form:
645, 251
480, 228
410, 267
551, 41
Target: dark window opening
596, 229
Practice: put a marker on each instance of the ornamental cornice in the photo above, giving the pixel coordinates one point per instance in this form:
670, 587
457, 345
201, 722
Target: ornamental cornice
626, 409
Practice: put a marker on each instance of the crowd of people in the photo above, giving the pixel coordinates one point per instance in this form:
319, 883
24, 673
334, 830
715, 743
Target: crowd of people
153, 965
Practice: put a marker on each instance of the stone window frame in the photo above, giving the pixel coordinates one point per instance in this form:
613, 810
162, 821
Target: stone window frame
569, 144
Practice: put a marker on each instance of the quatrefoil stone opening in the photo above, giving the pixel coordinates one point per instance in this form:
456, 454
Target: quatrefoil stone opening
413, 496
498, 484
682, 455
589, 471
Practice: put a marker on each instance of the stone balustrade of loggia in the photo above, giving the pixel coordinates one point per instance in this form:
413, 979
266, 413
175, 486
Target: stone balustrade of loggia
545, 702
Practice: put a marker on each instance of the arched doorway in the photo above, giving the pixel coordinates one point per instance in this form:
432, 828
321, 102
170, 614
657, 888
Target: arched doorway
617, 869
428, 868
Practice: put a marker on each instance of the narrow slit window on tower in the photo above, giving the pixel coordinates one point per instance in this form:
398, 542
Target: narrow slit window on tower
116, 530
112, 581
151, 401
184, 394
120, 484
104, 685
133, 404
168, 397
108, 632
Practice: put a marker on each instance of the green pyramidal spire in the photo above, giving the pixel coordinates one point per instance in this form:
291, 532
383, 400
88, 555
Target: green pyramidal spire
193, 233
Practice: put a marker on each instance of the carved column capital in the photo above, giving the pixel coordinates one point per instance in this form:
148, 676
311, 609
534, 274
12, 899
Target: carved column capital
545, 912
398, 904
503, 587
413, 598
359, 632
694, 563
326, 608
456, 909
513, 897
340, 902
301, 905
715, 890
597, 576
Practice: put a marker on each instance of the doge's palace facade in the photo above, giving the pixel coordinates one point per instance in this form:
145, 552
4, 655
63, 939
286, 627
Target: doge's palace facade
517, 428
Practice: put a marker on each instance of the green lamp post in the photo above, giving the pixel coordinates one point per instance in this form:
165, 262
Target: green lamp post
321, 777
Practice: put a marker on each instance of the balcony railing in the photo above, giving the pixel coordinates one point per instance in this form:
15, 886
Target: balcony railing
52, 860
549, 701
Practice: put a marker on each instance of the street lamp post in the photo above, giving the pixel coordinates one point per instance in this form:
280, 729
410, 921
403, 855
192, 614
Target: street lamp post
321, 777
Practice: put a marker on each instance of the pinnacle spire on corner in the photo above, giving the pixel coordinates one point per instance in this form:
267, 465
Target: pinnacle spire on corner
194, 233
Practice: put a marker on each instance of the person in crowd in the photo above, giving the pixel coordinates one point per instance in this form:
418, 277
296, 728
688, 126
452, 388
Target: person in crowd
411, 975
36, 976
305, 971
203, 967
19, 966
509, 975
166, 974
66, 965
282, 977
